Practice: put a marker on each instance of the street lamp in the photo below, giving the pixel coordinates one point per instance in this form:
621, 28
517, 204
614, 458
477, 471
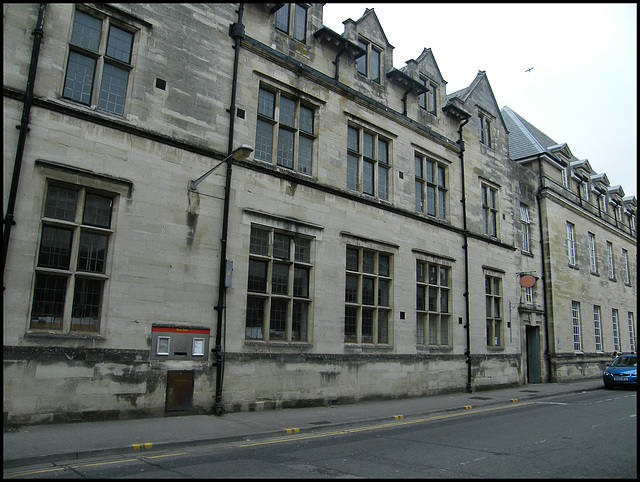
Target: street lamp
238, 154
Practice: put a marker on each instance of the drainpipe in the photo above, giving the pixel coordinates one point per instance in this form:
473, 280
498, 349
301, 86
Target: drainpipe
337, 61
466, 257
547, 350
236, 31
24, 128
404, 98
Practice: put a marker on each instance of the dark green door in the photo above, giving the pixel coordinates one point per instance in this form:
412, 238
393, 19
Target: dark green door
533, 354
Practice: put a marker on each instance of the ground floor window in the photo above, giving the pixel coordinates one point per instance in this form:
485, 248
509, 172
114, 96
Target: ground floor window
367, 296
433, 304
71, 266
493, 303
279, 298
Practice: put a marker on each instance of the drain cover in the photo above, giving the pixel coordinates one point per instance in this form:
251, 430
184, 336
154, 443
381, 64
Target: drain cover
530, 391
319, 423
481, 398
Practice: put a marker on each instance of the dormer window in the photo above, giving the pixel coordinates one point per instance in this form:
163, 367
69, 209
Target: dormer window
484, 129
291, 19
565, 178
369, 64
428, 100
586, 191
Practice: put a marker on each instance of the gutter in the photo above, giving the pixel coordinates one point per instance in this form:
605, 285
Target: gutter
24, 128
236, 31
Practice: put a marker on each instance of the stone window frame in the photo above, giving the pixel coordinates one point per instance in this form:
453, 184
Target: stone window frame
490, 209
268, 149
266, 298
615, 324
597, 327
494, 309
593, 256
103, 60
357, 158
437, 185
577, 326
426, 313
428, 101
291, 24
365, 64
525, 228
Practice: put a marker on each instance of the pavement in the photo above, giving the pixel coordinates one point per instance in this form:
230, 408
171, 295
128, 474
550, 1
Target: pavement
34, 444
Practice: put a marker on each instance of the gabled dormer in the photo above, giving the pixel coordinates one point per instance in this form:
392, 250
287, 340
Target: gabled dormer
369, 35
616, 194
581, 172
486, 119
427, 73
291, 27
630, 211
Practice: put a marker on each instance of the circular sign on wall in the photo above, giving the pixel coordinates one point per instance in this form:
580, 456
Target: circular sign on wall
527, 281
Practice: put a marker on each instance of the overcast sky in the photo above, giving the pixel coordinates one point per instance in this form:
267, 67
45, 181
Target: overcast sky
583, 86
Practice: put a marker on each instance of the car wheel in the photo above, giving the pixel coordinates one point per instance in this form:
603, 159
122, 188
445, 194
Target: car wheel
607, 386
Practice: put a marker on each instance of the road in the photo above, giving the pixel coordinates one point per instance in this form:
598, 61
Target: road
581, 435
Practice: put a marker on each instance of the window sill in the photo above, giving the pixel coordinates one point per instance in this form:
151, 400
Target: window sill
64, 336
277, 344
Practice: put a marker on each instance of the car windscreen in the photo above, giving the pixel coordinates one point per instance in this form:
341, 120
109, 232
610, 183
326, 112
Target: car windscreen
624, 361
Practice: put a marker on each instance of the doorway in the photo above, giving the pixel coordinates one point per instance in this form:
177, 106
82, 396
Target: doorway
533, 354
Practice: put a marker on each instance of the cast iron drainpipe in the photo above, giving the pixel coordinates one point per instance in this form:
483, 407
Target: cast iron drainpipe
236, 30
24, 128
466, 256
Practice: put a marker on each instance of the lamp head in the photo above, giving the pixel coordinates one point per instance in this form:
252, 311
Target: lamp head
242, 152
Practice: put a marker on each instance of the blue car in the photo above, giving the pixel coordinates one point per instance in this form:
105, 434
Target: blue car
621, 372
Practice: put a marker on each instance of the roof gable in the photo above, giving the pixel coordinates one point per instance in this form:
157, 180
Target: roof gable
479, 86
425, 64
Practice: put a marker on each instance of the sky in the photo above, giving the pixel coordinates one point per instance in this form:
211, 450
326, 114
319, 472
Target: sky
582, 89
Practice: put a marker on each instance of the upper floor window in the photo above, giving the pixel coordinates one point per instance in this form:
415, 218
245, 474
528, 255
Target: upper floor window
367, 296
525, 223
571, 247
427, 101
565, 178
493, 301
625, 266
98, 50
71, 269
370, 63
484, 132
367, 162
291, 19
592, 253
278, 298
586, 190
284, 131
431, 187
489, 211
612, 270
432, 303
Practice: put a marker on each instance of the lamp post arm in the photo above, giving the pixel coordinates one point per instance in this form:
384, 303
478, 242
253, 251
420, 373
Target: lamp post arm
194, 184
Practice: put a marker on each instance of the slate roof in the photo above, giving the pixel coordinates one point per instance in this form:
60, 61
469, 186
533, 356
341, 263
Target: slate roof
525, 140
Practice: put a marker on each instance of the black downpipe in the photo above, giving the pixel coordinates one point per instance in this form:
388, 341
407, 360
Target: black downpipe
24, 128
547, 350
466, 258
236, 30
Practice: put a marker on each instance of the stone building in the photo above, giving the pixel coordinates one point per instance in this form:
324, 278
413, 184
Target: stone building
383, 239
588, 231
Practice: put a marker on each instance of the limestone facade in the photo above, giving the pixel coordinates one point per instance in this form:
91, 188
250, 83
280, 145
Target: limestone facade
379, 235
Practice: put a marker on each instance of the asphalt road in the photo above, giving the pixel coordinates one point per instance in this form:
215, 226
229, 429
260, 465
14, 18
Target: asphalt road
582, 435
